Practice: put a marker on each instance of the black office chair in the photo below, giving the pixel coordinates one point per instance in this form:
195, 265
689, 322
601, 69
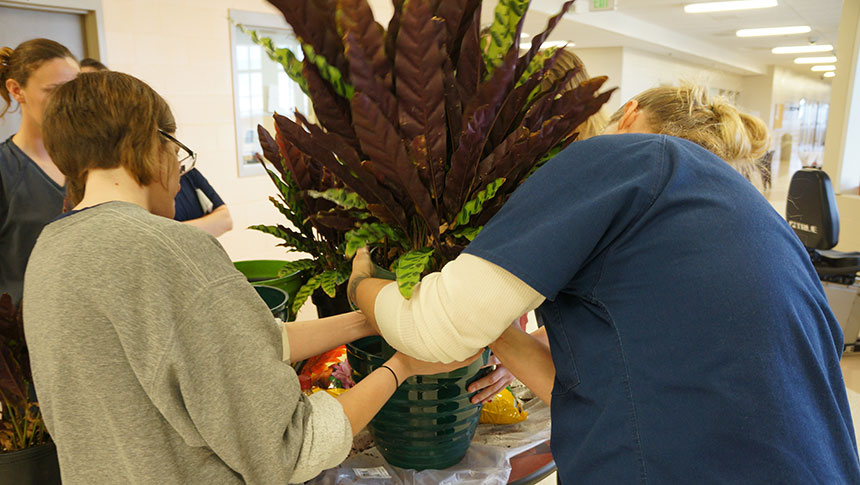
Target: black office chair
811, 211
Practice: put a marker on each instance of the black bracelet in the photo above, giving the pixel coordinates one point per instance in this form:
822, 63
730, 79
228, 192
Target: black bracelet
396, 381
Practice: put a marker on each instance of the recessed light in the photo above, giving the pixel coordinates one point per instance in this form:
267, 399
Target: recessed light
795, 29
823, 68
829, 74
728, 6
815, 60
802, 49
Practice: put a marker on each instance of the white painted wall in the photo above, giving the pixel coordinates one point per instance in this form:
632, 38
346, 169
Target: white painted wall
189, 64
605, 62
643, 70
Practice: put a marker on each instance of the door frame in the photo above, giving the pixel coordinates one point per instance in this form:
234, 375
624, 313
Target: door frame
94, 29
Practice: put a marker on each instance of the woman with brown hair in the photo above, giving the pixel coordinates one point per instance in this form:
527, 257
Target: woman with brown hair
31, 186
154, 359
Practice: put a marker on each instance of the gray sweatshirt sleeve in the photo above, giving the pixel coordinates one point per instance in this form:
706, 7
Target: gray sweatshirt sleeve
222, 384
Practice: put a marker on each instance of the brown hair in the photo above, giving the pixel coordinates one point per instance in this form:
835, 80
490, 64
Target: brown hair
566, 61
713, 123
90, 62
105, 120
19, 63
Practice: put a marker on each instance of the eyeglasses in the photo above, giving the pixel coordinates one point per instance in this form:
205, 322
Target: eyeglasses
187, 158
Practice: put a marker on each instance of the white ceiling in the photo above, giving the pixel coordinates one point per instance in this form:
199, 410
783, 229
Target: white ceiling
662, 26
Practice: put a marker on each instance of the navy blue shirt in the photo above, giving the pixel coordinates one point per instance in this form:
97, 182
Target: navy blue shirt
187, 203
691, 337
29, 200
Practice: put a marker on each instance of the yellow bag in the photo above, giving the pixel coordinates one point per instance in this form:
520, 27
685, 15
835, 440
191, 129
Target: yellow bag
503, 409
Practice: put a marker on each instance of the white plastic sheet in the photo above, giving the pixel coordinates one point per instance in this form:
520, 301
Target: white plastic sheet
486, 463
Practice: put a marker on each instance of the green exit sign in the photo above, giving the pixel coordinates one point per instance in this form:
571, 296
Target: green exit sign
597, 5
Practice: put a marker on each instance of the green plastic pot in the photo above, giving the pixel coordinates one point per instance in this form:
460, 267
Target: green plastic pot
275, 298
430, 421
265, 272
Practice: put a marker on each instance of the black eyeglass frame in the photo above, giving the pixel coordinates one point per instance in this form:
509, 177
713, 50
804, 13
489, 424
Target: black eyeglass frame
190, 153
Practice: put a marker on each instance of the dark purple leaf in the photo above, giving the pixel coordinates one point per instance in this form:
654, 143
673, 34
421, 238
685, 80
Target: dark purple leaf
537, 40
331, 110
314, 24
364, 79
382, 144
357, 17
421, 92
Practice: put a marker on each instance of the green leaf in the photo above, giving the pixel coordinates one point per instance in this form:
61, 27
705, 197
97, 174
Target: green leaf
409, 268
292, 267
328, 282
468, 232
476, 205
536, 64
369, 233
292, 239
555, 151
283, 56
329, 73
304, 292
500, 36
342, 197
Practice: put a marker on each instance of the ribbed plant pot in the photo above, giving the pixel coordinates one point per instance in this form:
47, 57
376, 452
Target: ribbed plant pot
32, 466
429, 422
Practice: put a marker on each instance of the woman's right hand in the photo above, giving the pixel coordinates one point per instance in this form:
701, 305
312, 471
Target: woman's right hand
488, 386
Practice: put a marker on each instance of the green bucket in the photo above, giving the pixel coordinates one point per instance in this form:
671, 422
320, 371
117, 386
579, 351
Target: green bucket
265, 272
275, 298
430, 421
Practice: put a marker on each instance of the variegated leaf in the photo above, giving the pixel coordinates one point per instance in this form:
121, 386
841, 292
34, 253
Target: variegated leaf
292, 267
468, 232
329, 73
304, 292
409, 269
370, 233
475, 205
342, 197
328, 282
503, 32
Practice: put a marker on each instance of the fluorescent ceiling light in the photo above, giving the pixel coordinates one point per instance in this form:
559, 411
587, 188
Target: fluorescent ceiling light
796, 29
815, 60
823, 68
830, 74
525, 35
728, 6
802, 49
548, 44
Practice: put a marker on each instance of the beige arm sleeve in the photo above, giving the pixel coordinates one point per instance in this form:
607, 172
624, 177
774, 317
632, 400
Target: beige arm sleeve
454, 313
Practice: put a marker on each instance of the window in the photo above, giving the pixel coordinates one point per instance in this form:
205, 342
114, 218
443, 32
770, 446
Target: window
260, 85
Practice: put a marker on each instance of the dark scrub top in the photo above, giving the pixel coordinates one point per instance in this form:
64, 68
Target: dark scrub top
187, 203
691, 337
29, 200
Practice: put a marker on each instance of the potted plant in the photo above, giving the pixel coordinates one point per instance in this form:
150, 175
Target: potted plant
27, 454
425, 128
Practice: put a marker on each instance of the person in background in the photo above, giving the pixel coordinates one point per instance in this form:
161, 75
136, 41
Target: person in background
198, 204
89, 64
690, 338
566, 61
154, 359
686, 112
31, 186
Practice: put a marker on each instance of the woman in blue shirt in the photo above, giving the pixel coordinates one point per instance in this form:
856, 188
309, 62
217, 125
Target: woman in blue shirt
690, 338
31, 186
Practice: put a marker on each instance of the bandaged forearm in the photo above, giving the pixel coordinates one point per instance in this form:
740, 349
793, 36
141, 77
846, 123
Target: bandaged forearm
453, 313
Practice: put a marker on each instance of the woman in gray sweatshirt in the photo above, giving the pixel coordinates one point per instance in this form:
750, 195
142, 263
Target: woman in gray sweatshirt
154, 360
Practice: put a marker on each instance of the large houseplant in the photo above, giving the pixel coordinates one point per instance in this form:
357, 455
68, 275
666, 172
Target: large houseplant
27, 454
426, 128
